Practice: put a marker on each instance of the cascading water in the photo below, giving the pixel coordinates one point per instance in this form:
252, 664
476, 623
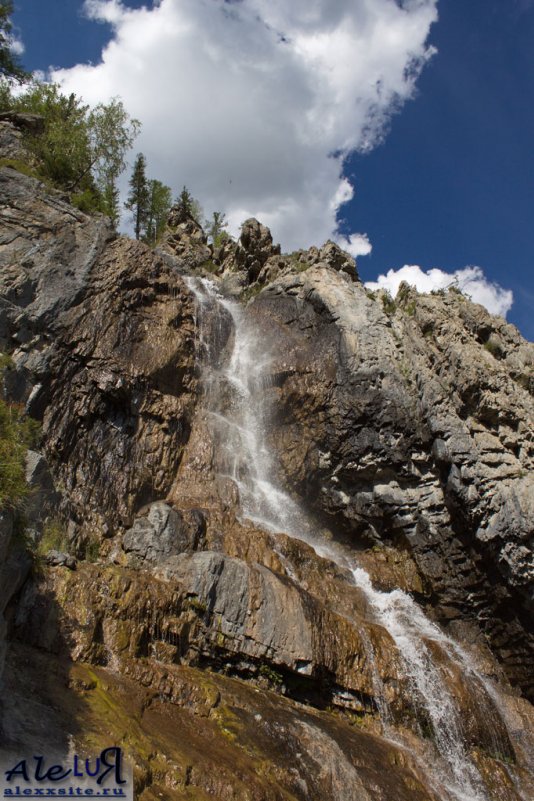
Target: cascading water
233, 401
234, 385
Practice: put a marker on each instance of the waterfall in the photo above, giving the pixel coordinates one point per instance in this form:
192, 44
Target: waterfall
234, 386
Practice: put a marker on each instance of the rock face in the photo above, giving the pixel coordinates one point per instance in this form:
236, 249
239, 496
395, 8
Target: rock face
101, 333
406, 428
6, 532
237, 659
121, 387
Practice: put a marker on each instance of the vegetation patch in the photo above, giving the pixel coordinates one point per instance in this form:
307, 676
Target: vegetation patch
494, 348
209, 266
390, 307
272, 675
22, 167
17, 434
54, 537
251, 292
90, 550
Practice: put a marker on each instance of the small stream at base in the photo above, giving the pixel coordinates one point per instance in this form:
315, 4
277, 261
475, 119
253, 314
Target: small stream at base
234, 387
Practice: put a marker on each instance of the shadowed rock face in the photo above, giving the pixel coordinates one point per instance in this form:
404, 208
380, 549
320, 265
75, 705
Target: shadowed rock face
122, 389
405, 428
407, 431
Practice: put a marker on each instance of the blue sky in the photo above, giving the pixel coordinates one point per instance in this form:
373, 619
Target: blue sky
452, 182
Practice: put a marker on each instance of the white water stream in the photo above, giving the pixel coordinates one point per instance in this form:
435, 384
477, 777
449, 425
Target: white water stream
234, 382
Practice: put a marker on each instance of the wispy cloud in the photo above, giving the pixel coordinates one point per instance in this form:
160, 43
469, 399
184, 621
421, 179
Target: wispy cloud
254, 104
470, 280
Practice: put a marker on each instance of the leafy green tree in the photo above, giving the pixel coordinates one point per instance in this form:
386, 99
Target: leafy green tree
111, 134
63, 151
215, 228
9, 64
159, 206
187, 206
139, 197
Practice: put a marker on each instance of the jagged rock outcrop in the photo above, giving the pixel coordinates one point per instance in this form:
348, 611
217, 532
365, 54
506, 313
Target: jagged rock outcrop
186, 240
254, 249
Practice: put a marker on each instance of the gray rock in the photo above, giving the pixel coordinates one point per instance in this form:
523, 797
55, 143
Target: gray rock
255, 248
59, 559
43, 276
42, 498
32, 123
13, 574
11, 144
164, 532
6, 532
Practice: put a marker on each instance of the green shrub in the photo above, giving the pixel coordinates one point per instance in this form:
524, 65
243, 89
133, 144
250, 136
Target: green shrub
17, 433
54, 537
272, 675
390, 307
89, 201
251, 292
91, 551
494, 348
21, 166
210, 266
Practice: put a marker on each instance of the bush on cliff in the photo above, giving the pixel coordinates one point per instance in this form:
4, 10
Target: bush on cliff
81, 150
17, 433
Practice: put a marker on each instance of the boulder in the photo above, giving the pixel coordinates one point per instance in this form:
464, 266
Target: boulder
59, 559
164, 532
255, 247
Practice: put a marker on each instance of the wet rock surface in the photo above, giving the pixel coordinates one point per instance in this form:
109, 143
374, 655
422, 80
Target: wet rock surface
192, 734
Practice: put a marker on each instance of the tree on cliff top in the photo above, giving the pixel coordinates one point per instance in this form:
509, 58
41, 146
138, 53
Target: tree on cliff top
139, 196
186, 205
215, 228
9, 63
111, 134
159, 206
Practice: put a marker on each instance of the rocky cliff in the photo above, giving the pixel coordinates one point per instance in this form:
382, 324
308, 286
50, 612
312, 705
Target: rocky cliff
255, 468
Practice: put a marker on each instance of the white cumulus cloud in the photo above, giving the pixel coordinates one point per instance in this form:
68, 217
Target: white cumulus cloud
253, 104
470, 280
355, 244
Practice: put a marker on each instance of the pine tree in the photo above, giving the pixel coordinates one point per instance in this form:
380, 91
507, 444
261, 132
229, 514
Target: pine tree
139, 197
187, 206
